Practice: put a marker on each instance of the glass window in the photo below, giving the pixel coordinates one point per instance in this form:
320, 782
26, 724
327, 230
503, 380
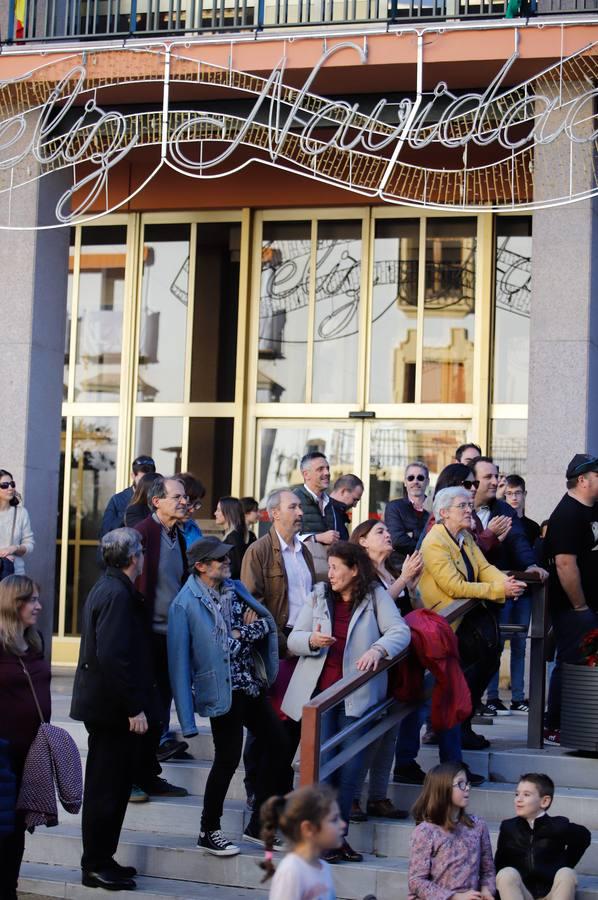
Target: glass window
449, 304
211, 460
283, 317
509, 445
394, 311
93, 481
100, 313
160, 437
394, 446
282, 446
215, 313
164, 304
338, 290
512, 308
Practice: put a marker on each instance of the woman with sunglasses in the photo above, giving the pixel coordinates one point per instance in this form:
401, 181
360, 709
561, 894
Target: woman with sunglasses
16, 536
406, 518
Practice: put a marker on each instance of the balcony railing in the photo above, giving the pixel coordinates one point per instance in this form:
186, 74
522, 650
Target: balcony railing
76, 19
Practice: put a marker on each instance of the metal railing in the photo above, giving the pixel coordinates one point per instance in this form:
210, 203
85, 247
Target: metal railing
46, 20
386, 714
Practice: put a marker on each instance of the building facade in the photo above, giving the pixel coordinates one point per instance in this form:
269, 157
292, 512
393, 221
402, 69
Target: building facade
369, 238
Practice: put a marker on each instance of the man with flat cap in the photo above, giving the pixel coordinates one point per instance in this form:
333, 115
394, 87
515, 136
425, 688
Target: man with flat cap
571, 548
223, 656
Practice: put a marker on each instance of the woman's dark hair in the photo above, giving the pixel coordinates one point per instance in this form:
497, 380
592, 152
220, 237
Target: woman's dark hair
307, 804
16, 499
435, 803
361, 531
249, 505
234, 515
141, 492
194, 488
353, 555
453, 475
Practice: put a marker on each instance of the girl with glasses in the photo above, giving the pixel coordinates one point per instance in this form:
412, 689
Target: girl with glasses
16, 535
451, 854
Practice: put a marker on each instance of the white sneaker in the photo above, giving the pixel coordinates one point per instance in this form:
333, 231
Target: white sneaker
215, 843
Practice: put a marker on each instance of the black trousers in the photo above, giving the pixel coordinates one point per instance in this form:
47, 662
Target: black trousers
479, 650
160, 653
12, 846
257, 715
116, 760
254, 749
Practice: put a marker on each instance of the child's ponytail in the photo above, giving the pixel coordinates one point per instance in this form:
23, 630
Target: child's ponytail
270, 815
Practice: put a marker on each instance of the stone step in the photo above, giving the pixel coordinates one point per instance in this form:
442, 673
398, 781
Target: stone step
380, 837
38, 879
168, 858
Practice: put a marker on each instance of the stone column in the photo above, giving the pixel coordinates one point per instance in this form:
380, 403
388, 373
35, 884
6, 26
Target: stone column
563, 385
34, 266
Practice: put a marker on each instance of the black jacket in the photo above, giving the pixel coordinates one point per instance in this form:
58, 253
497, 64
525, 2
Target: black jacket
539, 852
114, 514
313, 520
515, 552
405, 525
343, 520
114, 678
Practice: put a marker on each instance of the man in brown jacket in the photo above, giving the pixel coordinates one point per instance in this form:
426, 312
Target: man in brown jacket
278, 570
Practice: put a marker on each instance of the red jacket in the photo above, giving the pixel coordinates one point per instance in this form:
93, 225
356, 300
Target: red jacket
433, 647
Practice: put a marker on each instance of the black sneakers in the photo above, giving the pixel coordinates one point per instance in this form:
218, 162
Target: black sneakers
520, 706
252, 836
409, 774
497, 707
215, 843
159, 787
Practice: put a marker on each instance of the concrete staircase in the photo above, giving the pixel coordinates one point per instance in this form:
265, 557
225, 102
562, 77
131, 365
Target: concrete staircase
159, 837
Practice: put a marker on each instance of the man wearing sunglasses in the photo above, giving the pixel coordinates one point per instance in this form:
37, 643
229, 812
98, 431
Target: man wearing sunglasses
406, 518
572, 552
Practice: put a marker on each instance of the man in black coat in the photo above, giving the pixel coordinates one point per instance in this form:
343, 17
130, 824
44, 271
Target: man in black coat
406, 517
115, 694
114, 514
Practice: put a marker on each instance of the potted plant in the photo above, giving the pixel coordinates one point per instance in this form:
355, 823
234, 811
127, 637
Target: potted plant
579, 708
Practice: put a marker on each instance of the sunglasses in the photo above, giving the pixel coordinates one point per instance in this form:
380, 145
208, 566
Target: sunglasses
470, 484
416, 478
5, 485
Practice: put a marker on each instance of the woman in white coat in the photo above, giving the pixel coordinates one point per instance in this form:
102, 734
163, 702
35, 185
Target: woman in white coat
345, 627
16, 536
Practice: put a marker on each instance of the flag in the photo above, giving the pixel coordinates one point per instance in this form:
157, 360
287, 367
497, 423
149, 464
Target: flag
20, 18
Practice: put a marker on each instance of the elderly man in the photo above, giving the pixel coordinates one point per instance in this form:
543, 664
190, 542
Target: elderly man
114, 694
223, 655
278, 570
345, 495
406, 518
571, 546
164, 572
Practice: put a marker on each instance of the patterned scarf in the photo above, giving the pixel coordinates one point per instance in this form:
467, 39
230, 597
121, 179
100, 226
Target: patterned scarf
221, 604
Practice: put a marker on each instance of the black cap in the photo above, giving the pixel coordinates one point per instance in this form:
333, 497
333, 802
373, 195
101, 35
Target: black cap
582, 463
207, 548
143, 464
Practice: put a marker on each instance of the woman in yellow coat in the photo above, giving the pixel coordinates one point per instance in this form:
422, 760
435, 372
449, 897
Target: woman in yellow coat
455, 568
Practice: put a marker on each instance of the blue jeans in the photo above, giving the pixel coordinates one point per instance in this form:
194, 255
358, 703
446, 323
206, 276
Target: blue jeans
408, 744
514, 612
346, 779
378, 759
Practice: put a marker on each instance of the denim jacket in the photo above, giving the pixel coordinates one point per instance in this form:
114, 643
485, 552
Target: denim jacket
199, 668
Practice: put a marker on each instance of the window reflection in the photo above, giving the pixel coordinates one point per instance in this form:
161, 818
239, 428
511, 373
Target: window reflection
100, 313
509, 445
393, 447
338, 288
282, 447
394, 311
161, 438
284, 301
164, 303
512, 309
449, 304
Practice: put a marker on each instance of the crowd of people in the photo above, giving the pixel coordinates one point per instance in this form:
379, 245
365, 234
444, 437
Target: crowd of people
245, 631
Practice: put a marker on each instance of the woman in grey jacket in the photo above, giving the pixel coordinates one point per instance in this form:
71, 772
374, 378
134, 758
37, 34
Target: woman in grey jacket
344, 628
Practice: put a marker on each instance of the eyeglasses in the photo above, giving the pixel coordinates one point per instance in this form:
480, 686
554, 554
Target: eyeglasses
470, 484
462, 506
462, 785
415, 478
513, 493
5, 485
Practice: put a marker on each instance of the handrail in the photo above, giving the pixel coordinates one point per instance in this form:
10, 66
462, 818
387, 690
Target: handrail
315, 708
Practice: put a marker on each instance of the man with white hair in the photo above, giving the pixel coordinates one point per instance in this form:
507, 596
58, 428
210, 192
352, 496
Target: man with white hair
278, 570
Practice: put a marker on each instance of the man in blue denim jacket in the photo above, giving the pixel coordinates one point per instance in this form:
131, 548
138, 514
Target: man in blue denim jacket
223, 656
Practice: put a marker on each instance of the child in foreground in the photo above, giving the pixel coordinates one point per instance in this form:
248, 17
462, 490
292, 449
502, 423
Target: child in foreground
537, 853
451, 855
310, 820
